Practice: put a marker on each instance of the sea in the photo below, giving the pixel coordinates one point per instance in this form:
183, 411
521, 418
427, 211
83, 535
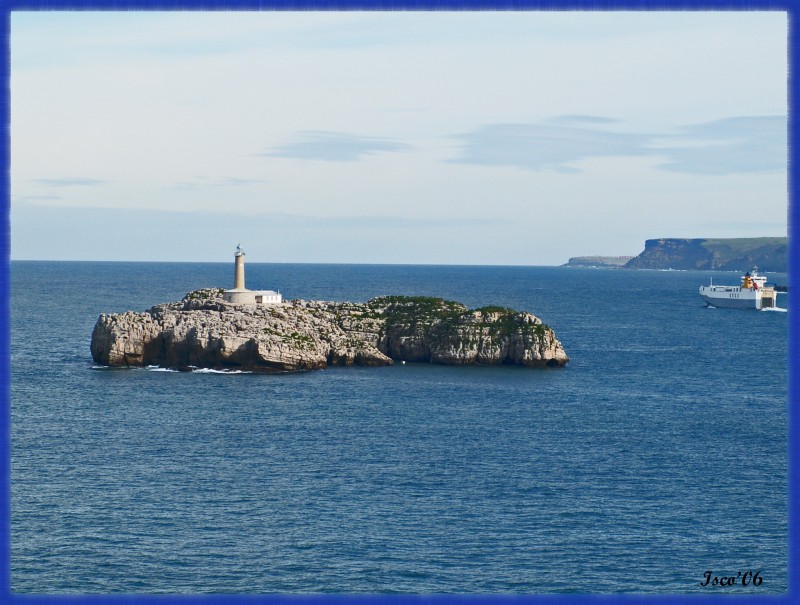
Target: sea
655, 462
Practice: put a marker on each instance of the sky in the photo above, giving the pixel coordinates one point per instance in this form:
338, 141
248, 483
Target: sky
500, 138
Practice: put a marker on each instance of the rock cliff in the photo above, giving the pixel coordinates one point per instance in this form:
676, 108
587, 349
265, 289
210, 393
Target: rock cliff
729, 254
203, 331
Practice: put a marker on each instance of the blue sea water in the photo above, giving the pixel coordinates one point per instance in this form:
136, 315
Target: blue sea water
657, 454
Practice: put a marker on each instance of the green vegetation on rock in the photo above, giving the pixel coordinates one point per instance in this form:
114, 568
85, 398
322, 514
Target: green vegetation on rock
450, 325
415, 309
204, 294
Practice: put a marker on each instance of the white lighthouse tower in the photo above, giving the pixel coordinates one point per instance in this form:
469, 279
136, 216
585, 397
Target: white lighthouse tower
238, 274
240, 295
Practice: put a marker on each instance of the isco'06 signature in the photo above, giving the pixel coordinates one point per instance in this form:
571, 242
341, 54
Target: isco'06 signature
745, 579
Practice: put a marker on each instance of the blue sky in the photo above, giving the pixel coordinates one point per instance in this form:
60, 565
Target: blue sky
463, 138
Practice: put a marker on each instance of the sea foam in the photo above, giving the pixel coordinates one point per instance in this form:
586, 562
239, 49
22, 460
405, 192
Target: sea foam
211, 371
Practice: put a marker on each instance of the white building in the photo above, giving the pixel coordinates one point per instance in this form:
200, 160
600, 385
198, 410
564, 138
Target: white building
240, 295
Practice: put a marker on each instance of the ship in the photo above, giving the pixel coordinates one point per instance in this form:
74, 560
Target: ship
753, 293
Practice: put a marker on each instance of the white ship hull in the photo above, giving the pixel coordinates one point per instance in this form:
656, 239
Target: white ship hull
731, 303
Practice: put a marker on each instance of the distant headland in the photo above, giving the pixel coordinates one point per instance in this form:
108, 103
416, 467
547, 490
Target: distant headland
256, 330
603, 262
770, 254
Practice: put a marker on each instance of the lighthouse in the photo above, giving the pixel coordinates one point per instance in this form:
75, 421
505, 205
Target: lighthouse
240, 295
238, 274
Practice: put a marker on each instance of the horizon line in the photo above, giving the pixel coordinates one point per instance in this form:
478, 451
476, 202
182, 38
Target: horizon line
200, 262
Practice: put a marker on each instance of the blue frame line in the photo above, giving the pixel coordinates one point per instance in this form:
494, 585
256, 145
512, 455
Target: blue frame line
401, 5
793, 474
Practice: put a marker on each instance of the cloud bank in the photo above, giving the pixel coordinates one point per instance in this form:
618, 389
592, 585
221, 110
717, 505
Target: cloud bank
70, 182
733, 145
334, 146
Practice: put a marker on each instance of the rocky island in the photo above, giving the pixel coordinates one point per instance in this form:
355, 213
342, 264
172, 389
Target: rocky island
598, 262
206, 331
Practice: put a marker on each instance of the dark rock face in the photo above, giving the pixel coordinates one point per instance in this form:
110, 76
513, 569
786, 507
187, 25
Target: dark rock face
672, 254
734, 254
203, 331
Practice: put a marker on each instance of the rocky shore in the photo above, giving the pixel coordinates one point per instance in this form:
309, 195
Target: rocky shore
203, 331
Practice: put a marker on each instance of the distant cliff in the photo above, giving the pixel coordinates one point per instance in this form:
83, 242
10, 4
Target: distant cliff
203, 331
604, 262
769, 254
